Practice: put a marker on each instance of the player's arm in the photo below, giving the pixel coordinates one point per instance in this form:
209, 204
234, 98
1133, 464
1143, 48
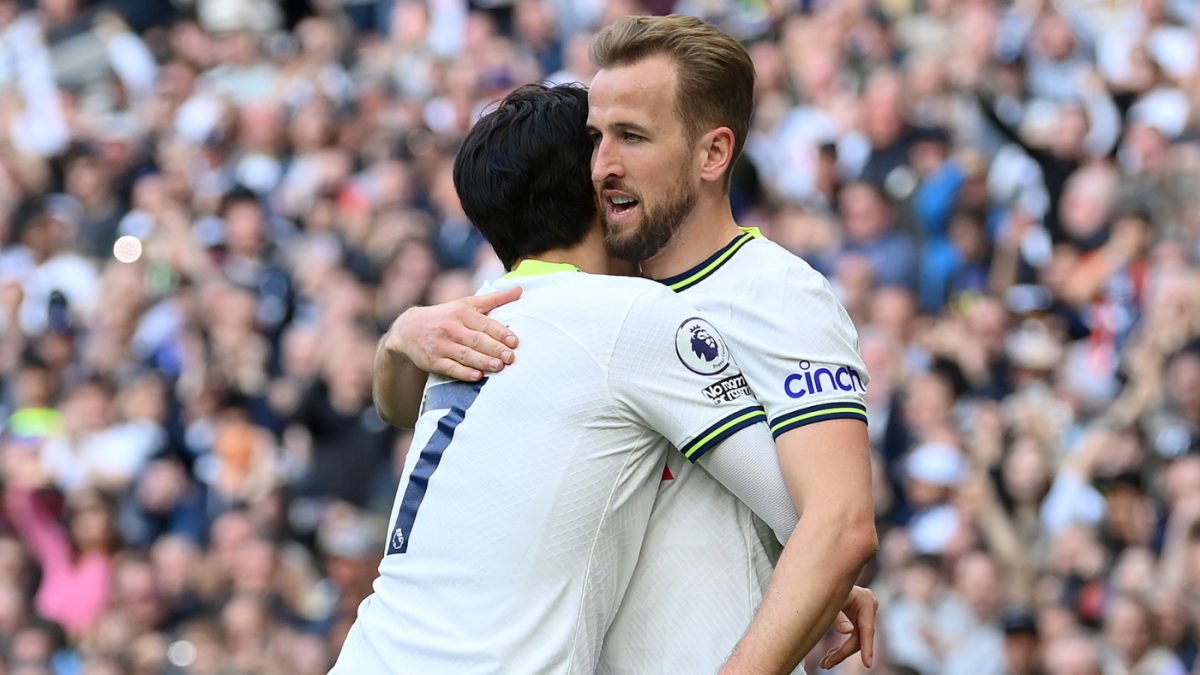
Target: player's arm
827, 468
802, 360
456, 339
397, 386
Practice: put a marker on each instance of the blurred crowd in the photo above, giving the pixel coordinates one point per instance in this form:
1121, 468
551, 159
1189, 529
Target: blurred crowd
210, 210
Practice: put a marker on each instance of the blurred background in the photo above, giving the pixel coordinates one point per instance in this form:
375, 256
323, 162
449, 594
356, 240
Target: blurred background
211, 209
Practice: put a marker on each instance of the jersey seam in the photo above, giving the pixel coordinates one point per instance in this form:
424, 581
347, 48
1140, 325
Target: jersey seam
567, 335
603, 367
750, 536
596, 539
623, 404
747, 296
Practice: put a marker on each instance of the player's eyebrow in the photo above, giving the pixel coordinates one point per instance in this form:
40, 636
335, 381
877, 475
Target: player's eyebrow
620, 126
630, 126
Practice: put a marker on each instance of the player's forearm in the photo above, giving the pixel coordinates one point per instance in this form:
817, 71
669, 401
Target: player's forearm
397, 387
815, 574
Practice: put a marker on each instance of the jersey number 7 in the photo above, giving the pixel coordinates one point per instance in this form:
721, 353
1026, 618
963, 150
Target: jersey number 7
457, 397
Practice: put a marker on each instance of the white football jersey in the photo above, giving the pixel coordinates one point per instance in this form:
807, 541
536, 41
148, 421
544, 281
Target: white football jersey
706, 559
523, 502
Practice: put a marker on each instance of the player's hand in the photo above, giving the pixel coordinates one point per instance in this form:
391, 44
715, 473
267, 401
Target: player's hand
456, 339
857, 619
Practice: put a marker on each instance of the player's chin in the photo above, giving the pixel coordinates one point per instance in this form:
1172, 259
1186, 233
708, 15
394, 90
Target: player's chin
620, 231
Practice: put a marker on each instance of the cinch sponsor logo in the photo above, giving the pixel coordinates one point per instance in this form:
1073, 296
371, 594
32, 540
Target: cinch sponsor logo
727, 389
810, 381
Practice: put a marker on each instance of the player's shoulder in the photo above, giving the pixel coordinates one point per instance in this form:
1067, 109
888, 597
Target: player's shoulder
652, 307
622, 285
598, 290
624, 294
764, 267
601, 304
770, 258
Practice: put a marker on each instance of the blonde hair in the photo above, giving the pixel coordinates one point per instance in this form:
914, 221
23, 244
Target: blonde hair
714, 84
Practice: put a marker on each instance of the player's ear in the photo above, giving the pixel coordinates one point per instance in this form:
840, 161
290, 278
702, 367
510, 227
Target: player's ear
716, 151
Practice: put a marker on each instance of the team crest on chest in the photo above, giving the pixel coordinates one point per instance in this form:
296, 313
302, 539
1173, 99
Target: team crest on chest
700, 348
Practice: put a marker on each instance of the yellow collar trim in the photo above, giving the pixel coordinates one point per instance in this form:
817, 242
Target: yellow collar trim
533, 268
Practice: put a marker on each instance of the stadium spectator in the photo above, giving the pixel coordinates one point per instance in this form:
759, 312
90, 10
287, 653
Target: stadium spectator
870, 231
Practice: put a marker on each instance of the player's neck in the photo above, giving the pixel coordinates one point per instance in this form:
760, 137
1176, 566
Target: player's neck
588, 255
710, 228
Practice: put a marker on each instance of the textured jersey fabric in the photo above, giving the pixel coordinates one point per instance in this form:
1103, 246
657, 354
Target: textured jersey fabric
525, 497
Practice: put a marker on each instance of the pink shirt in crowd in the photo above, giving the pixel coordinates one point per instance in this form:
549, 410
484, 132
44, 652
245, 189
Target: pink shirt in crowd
73, 592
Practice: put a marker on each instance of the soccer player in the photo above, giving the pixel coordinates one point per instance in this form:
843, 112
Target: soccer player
661, 169
524, 501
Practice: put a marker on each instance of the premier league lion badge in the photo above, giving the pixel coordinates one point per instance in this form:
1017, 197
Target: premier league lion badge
700, 348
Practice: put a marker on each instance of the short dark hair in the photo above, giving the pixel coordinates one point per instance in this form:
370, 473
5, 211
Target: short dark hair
238, 194
523, 172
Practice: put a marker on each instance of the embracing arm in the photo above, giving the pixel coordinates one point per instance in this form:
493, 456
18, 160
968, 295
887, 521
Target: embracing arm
827, 467
397, 386
455, 339
748, 466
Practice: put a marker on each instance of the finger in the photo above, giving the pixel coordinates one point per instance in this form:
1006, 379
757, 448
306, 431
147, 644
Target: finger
489, 301
866, 630
841, 653
483, 304
455, 370
842, 624
475, 350
495, 339
487, 343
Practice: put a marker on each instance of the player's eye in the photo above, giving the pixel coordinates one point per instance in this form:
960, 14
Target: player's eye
632, 138
595, 137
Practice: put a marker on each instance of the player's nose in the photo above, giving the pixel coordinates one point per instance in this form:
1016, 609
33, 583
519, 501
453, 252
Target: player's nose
604, 162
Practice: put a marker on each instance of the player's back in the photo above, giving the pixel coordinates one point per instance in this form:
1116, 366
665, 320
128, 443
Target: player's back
523, 501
